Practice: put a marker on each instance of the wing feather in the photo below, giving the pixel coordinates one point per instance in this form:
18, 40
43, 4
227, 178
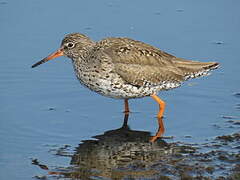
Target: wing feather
140, 64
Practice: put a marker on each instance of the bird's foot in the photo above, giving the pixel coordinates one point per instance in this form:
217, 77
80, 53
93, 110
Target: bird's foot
153, 138
158, 135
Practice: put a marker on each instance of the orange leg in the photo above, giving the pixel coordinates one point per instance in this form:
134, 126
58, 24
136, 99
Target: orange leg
126, 106
160, 117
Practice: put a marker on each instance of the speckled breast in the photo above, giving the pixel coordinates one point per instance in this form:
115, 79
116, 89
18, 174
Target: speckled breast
111, 85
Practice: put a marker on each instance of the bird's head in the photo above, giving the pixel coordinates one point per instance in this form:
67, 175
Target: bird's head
73, 46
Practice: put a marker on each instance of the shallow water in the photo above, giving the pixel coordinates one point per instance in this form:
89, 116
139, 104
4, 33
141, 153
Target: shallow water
46, 107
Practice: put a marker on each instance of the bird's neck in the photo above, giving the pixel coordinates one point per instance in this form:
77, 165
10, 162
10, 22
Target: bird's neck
83, 53
81, 62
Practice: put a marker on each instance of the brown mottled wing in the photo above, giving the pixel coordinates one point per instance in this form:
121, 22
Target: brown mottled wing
147, 75
140, 64
125, 50
189, 67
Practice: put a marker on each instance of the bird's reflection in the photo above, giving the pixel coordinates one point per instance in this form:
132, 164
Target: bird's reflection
117, 154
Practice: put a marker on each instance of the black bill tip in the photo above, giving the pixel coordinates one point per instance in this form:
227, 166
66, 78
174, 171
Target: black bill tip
38, 63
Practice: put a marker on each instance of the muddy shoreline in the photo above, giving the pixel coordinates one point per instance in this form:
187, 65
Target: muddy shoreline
127, 154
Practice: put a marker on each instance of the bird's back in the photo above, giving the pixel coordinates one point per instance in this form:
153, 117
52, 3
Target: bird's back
141, 64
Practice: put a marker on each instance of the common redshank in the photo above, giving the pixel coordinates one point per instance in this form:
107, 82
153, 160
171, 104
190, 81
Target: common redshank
124, 68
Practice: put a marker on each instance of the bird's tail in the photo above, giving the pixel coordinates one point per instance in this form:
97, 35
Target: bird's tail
193, 69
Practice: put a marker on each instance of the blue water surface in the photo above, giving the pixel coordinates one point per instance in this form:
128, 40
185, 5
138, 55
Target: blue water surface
47, 106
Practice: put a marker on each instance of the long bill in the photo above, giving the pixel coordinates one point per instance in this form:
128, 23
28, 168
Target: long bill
56, 54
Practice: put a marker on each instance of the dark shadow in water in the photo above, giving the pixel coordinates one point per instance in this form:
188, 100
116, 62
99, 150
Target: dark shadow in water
127, 154
118, 153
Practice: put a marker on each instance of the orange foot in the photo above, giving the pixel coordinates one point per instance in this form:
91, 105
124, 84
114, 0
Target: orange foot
158, 135
159, 117
160, 130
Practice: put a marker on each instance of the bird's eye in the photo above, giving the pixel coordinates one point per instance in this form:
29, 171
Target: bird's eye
70, 45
